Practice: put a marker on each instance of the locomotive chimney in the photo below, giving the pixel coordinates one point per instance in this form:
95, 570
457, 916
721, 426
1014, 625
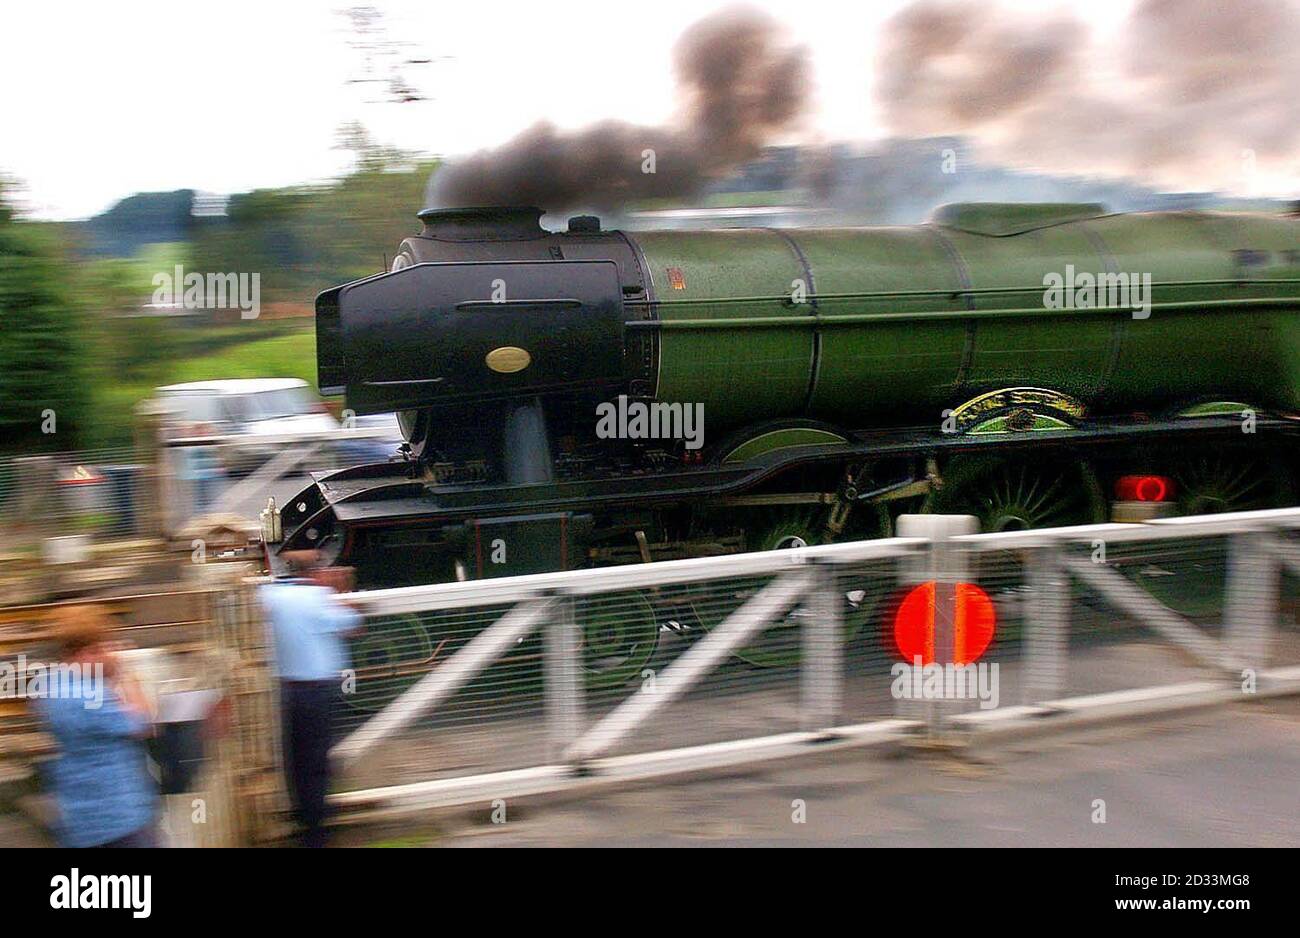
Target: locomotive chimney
505, 223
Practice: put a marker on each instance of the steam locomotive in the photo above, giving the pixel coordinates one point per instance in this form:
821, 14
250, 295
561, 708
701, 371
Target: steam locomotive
590, 397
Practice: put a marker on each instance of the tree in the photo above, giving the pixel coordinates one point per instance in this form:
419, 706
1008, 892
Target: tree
44, 399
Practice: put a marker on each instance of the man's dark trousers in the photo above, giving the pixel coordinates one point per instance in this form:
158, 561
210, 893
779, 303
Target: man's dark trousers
307, 710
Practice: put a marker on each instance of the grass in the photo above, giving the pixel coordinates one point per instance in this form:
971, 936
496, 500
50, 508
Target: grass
207, 355
160, 258
285, 356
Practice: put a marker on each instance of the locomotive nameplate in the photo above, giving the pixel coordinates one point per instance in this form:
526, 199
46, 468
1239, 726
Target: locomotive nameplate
1017, 410
508, 359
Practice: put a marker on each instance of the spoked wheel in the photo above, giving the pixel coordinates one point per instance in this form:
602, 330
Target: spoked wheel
785, 529
619, 636
1008, 494
1192, 583
1016, 494
789, 529
392, 654
1228, 481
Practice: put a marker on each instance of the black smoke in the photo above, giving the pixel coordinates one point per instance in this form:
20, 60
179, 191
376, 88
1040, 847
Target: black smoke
1193, 93
739, 86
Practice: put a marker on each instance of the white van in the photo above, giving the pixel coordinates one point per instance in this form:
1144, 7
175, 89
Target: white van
259, 406
248, 407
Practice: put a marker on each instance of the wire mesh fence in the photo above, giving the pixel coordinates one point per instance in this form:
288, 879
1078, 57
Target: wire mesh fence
667, 657
1112, 649
584, 668
1285, 649
93, 492
629, 640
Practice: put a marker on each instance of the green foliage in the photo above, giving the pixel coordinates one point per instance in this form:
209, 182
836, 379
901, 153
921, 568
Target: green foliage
41, 341
132, 348
114, 284
304, 240
71, 339
179, 350
139, 220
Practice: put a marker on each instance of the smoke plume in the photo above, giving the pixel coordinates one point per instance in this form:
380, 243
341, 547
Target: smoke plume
739, 85
1193, 93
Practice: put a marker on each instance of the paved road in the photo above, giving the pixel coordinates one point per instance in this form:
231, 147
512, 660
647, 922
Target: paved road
1222, 777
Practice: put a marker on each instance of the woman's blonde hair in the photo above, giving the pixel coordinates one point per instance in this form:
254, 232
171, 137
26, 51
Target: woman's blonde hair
76, 628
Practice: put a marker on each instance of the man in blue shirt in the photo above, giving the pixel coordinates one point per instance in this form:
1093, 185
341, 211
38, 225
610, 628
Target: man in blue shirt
308, 627
98, 716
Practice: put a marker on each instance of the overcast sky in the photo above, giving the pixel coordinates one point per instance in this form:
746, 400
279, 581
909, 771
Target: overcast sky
102, 99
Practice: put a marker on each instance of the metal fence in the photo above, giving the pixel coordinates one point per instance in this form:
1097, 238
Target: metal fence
90, 492
471, 691
468, 692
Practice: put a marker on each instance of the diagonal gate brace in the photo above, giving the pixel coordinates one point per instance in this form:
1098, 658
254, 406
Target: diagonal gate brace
442, 682
1136, 602
737, 629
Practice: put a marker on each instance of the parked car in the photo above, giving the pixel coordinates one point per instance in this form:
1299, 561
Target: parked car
376, 449
253, 407
250, 405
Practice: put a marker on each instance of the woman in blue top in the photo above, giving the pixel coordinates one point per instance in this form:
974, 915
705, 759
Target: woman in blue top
99, 717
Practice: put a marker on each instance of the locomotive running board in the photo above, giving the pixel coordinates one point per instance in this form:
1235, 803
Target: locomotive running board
358, 499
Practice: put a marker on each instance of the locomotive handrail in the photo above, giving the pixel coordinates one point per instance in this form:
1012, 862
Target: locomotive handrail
819, 319
551, 302
960, 291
